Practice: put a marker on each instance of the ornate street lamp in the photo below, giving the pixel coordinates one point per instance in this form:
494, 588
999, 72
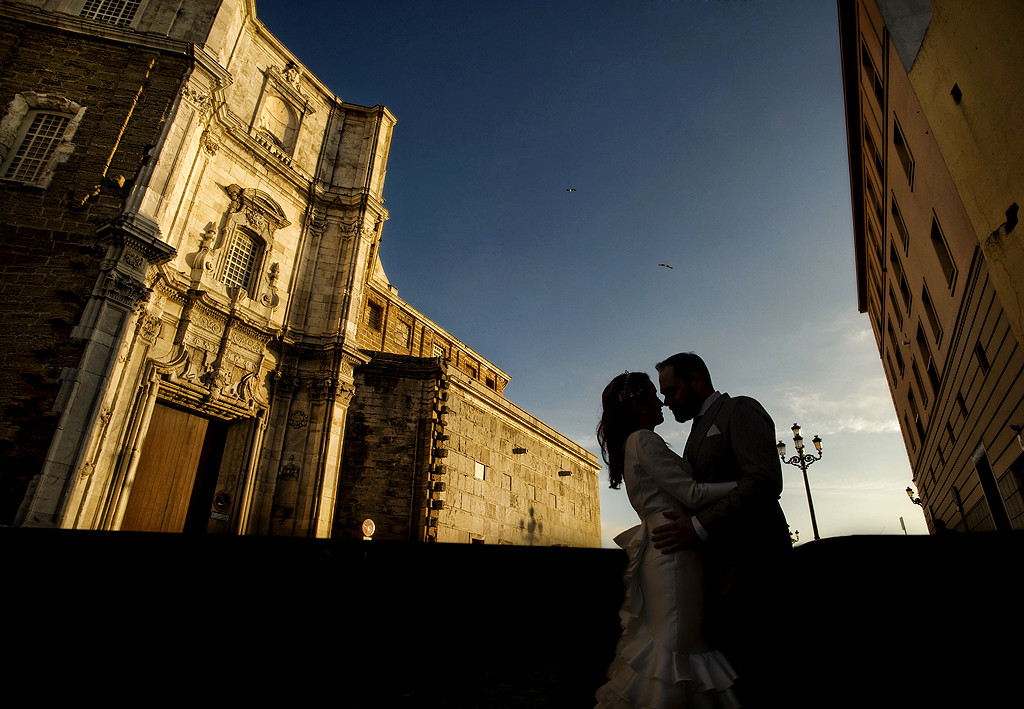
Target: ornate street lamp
803, 461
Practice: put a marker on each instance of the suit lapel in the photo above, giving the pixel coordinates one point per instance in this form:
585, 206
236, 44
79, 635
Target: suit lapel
699, 432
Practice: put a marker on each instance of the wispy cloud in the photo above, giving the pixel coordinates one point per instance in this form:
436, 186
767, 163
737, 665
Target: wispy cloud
864, 408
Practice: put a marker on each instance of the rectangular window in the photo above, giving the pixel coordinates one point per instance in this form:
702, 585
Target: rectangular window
873, 78
869, 141
241, 260
942, 252
876, 206
375, 315
897, 272
41, 139
907, 429
920, 382
901, 226
113, 12
894, 260
403, 333
929, 311
895, 344
918, 424
926, 356
906, 159
437, 351
892, 368
479, 471
962, 404
895, 310
983, 362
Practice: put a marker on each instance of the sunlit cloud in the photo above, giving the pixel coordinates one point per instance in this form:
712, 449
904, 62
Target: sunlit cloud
867, 408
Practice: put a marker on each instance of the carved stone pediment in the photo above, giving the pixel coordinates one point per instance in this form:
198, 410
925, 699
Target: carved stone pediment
259, 209
217, 364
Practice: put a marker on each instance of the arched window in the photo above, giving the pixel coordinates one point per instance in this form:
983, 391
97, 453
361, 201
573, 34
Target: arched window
38, 141
35, 135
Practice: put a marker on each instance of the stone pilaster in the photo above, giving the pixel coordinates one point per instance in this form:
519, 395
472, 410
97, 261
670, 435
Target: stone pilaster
133, 250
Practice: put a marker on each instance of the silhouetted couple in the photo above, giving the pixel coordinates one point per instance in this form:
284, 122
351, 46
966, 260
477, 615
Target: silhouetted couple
706, 564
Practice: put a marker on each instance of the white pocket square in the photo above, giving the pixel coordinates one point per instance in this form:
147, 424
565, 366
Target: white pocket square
713, 431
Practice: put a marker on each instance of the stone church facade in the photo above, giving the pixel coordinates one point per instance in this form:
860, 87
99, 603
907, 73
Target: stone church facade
199, 335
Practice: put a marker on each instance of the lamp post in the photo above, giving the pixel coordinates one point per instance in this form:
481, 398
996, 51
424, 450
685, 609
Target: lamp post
803, 461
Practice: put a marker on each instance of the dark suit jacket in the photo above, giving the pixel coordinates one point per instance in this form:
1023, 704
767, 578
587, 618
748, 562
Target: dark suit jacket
735, 440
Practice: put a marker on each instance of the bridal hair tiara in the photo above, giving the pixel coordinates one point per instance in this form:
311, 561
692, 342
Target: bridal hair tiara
626, 393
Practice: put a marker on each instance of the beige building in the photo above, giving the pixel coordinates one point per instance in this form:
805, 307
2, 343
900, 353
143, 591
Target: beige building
931, 89
194, 220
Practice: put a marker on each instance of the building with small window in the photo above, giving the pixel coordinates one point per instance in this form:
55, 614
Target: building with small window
199, 335
935, 154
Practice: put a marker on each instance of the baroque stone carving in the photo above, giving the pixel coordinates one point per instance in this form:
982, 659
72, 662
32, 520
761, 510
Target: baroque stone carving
298, 419
210, 143
132, 259
292, 74
291, 470
321, 388
196, 97
149, 328
270, 298
124, 290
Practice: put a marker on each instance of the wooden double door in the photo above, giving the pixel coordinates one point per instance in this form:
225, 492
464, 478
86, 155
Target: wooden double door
176, 476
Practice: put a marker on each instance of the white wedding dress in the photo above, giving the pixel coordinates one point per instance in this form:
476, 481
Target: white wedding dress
662, 659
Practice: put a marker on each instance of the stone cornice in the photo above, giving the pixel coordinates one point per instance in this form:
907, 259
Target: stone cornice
502, 407
385, 292
234, 137
91, 28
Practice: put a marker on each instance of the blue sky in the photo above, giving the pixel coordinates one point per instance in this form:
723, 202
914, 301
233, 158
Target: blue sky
706, 135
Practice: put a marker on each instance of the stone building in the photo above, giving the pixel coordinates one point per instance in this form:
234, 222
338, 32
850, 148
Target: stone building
931, 88
199, 335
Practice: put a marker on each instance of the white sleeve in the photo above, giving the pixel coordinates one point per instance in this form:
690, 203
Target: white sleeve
674, 475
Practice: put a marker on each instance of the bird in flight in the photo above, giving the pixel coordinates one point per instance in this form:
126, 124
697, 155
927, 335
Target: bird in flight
570, 189
665, 265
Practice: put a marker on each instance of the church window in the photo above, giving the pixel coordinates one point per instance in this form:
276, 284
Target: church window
35, 135
38, 144
480, 470
375, 315
241, 260
113, 12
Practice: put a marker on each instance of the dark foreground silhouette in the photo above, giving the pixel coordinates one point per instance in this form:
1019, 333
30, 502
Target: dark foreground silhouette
137, 618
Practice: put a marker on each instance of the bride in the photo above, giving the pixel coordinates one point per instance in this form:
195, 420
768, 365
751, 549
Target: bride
662, 659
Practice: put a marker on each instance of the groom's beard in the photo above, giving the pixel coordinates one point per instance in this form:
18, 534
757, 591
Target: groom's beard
682, 415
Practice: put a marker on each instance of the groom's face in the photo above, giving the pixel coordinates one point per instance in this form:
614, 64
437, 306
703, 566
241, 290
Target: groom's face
679, 396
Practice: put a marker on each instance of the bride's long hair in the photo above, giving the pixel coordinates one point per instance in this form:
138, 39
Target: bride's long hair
619, 418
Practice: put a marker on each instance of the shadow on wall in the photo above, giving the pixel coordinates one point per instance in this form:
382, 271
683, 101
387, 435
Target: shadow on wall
532, 529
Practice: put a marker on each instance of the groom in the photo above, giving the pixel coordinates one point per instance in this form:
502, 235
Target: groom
744, 537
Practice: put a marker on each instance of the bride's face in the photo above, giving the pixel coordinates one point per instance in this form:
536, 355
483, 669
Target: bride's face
649, 408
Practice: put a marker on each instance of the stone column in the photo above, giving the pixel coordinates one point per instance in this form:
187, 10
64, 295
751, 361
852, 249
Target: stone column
133, 249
